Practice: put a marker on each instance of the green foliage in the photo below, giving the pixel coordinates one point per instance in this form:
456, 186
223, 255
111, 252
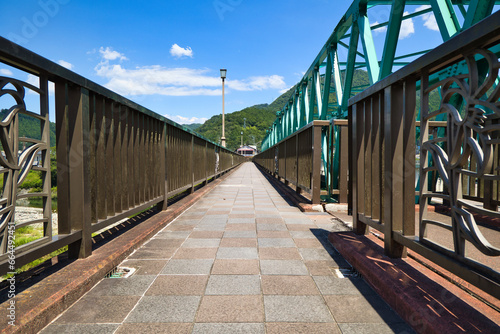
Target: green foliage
32, 180
31, 127
192, 126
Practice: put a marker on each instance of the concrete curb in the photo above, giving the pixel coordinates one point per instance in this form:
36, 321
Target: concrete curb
38, 305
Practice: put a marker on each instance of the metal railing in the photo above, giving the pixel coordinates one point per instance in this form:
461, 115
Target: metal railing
115, 158
297, 159
382, 122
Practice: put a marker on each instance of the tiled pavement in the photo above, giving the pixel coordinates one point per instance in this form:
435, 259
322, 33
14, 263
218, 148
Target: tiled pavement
241, 260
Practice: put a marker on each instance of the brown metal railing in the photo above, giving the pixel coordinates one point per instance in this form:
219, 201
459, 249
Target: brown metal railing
297, 159
382, 122
115, 158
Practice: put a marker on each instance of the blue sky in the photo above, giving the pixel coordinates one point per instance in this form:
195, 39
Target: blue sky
166, 55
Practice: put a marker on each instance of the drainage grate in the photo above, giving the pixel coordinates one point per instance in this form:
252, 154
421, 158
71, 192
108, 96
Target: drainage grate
345, 272
120, 272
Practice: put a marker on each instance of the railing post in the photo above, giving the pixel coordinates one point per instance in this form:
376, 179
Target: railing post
298, 190
73, 167
358, 164
393, 164
316, 168
344, 164
191, 158
162, 206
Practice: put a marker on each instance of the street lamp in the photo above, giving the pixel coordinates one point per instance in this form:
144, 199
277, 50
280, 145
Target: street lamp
223, 76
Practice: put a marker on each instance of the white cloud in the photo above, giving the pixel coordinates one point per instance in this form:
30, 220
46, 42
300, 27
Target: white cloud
407, 27
378, 30
110, 54
178, 52
35, 81
155, 79
4, 71
186, 120
258, 83
428, 18
63, 63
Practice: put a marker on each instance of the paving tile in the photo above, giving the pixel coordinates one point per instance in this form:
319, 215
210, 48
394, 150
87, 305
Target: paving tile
201, 243
180, 228
235, 267
296, 309
250, 220
240, 227
307, 243
240, 234
165, 309
195, 253
214, 219
210, 227
283, 267
165, 328
230, 309
302, 235
400, 328
238, 242
273, 234
292, 221
222, 328
275, 242
361, 309
172, 235
267, 215
321, 267
153, 253
180, 285
105, 309
80, 329
132, 286
269, 253
233, 285
206, 235
233, 215
309, 254
330, 285
271, 227
288, 285
188, 267
269, 220
300, 227
237, 253
145, 267
303, 328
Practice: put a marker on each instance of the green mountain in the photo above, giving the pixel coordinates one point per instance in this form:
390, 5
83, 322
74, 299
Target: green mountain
252, 122
192, 126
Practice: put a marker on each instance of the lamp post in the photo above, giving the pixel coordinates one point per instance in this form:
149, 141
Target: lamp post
223, 77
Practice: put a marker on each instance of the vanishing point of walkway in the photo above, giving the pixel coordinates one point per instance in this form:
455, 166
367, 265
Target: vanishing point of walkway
241, 260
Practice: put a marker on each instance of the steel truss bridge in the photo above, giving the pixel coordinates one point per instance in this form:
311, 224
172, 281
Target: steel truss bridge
423, 129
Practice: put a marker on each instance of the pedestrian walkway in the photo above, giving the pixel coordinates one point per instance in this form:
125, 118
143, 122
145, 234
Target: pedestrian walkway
241, 260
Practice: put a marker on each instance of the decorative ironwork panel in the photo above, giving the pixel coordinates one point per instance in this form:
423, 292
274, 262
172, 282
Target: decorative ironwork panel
467, 151
20, 156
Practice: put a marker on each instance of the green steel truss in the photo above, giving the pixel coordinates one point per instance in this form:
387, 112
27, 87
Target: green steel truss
326, 87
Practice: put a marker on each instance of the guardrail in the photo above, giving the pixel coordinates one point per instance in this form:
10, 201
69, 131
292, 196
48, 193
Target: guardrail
297, 159
382, 123
115, 158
